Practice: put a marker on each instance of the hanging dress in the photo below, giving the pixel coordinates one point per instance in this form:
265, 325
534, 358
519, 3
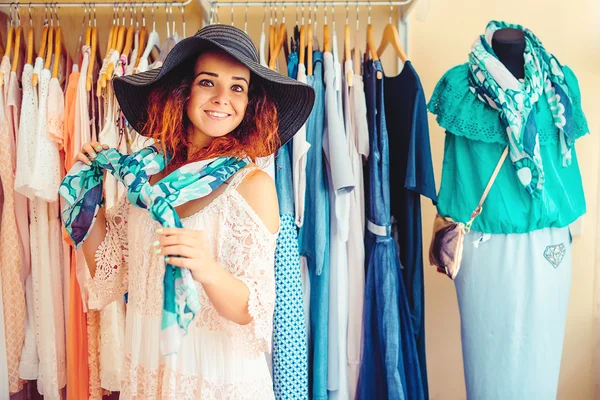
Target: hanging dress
26, 143
13, 102
290, 356
299, 176
341, 185
44, 183
112, 316
357, 131
218, 358
387, 350
412, 177
13, 294
514, 282
77, 337
314, 237
56, 101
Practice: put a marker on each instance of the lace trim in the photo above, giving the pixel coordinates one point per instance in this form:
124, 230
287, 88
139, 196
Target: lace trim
459, 111
111, 278
165, 383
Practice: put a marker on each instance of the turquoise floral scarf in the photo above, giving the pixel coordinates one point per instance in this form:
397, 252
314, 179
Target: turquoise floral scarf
82, 191
515, 99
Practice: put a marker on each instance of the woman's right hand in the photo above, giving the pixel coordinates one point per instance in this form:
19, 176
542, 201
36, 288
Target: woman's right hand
88, 152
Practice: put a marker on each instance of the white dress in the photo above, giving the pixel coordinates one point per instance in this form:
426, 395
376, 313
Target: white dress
219, 359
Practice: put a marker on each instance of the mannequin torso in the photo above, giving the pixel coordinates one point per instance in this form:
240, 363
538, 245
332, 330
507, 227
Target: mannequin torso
509, 45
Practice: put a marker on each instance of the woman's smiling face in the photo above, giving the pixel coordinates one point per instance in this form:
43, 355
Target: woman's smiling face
218, 97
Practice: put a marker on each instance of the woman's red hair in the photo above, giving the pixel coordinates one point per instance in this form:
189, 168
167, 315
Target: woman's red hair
168, 124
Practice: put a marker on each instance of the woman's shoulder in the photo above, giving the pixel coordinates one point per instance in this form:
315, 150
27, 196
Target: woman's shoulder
258, 190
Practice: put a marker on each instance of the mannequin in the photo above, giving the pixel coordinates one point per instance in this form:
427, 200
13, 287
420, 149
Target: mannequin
509, 45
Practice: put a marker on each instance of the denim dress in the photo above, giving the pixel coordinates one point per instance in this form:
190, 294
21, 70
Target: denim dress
290, 356
390, 365
314, 237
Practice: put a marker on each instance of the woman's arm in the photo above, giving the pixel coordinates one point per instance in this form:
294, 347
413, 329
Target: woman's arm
228, 294
93, 241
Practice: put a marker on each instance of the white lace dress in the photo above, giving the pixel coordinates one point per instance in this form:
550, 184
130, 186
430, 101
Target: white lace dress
219, 359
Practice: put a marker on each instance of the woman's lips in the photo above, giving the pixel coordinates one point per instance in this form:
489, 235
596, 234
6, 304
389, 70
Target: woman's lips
217, 115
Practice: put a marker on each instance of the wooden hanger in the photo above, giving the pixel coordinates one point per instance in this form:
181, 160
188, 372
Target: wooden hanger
120, 42
57, 51
280, 43
302, 44
42, 52
326, 40
348, 49
48, 57
390, 36
309, 50
9, 41
356, 61
17, 49
30, 45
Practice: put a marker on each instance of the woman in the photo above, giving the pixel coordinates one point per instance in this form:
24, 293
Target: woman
213, 217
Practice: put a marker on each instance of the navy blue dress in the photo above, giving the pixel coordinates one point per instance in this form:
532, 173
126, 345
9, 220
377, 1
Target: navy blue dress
390, 365
411, 176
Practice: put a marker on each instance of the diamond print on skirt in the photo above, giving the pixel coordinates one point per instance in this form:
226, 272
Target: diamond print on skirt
290, 356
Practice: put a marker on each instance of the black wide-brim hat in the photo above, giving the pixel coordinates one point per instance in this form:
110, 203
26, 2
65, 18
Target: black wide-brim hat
294, 100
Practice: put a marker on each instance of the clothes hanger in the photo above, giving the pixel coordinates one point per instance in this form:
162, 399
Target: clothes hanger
58, 45
356, 56
30, 39
153, 39
120, 42
370, 41
50, 44
390, 36
143, 38
281, 37
183, 19
17, 46
11, 33
316, 46
283, 33
302, 49
245, 19
95, 54
129, 35
334, 43
43, 44
347, 49
326, 40
309, 50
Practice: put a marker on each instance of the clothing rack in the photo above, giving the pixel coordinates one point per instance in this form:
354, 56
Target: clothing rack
209, 6
57, 4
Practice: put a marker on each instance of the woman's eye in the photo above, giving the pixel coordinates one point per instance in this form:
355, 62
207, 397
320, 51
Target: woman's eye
237, 88
205, 82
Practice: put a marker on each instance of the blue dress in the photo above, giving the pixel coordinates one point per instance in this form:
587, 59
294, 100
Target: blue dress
314, 236
290, 356
390, 365
412, 177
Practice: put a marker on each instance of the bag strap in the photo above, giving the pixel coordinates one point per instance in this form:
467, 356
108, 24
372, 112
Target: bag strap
479, 208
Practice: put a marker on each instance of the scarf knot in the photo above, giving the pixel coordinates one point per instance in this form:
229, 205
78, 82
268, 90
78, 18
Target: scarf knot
82, 190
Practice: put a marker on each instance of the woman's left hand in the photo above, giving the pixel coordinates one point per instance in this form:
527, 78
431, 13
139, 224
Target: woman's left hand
189, 249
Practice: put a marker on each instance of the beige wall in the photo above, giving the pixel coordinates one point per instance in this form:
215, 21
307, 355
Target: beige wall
571, 31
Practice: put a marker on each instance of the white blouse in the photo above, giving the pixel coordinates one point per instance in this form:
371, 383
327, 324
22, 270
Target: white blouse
218, 359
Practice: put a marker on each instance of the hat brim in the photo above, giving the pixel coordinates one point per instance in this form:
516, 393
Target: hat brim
294, 100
